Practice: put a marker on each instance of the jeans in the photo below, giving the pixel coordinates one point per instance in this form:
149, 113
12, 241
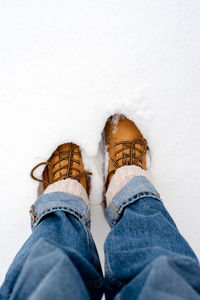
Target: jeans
145, 255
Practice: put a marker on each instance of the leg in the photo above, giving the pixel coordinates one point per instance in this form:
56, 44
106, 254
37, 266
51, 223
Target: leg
59, 260
146, 256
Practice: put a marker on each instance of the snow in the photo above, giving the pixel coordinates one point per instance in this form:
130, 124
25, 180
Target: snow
65, 67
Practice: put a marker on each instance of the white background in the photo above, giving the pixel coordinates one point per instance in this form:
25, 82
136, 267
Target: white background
65, 66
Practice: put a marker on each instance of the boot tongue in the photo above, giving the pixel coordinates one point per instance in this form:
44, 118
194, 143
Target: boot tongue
78, 165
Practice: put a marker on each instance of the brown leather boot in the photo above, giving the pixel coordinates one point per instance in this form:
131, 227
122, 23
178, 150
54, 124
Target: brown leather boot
125, 145
65, 162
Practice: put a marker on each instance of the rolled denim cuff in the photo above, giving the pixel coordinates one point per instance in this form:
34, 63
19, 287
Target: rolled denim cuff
56, 201
137, 188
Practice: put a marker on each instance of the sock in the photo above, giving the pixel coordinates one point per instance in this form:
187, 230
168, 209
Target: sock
70, 186
121, 177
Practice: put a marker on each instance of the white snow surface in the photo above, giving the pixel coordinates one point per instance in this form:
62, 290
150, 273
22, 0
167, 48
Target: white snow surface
65, 67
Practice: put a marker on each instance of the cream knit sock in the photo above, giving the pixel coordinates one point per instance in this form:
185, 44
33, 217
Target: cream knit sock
121, 177
69, 186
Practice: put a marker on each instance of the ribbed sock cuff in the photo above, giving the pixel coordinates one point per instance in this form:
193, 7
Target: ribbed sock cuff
69, 186
121, 177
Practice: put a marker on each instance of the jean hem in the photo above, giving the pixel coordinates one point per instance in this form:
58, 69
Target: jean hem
137, 188
60, 201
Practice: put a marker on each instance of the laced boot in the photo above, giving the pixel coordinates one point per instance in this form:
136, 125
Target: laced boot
125, 145
65, 162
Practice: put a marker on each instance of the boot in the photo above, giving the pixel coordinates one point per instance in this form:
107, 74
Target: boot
125, 145
65, 162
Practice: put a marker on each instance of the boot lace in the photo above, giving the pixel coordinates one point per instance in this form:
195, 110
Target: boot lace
132, 157
67, 156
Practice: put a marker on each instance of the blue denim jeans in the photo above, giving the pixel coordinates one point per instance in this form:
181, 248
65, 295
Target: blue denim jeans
145, 255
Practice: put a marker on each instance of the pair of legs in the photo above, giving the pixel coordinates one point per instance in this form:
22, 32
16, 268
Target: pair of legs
145, 255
